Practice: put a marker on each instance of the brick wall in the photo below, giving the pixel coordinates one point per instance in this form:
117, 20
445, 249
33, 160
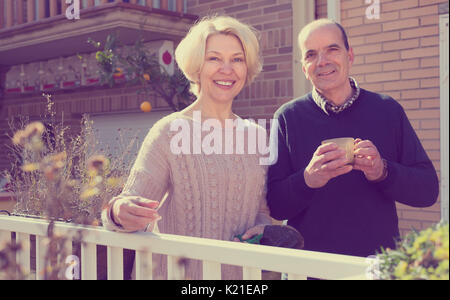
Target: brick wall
398, 55
273, 18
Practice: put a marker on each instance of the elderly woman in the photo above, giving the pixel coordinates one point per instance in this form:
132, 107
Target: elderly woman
214, 195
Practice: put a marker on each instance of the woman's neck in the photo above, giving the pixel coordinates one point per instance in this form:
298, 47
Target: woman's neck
211, 110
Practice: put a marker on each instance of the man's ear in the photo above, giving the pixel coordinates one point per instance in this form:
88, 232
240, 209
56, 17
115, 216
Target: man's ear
351, 56
304, 70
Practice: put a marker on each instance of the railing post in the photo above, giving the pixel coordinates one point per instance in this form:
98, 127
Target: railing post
211, 270
41, 9
5, 238
115, 263
64, 7
148, 3
103, 1
175, 268
296, 277
31, 11
180, 6
19, 12
53, 8
144, 265
88, 261
9, 13
2, 13
250, 273
164, 4
90, 3
23, 256
40, 257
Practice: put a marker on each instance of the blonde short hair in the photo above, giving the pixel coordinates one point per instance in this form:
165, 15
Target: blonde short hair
190, 53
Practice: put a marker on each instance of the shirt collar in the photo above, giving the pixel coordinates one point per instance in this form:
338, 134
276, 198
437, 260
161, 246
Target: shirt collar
329, 107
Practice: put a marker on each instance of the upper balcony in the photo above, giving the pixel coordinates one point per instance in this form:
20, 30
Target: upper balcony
36, 30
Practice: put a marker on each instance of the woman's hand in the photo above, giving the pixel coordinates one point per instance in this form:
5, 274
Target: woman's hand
135, 213
256, 230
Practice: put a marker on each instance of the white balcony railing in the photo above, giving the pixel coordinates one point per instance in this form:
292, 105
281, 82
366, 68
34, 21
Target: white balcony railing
298, 264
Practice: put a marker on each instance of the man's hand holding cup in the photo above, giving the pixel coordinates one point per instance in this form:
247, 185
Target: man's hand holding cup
331, 159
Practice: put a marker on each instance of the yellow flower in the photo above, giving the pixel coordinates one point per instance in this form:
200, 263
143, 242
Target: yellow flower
97, 164
147, 77
114, 181
30, 167
89, 192
30, 137
401, 269
441, 253
435, 237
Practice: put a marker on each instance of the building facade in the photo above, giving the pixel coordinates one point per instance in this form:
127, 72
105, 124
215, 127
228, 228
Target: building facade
401, 49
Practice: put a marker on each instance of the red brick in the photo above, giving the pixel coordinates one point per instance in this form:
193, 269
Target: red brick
429, 41
429, 124
430, 103
430, 82
366, 68
421, 73
401, 85
420, 52
423, 114
429, 20
383, 57
398, 5
399, 45
366, 49
417, 12
365, 30
429, 62
401, 65
429, 2
401, 24
428, 134
420, 94
419, 32
383, 37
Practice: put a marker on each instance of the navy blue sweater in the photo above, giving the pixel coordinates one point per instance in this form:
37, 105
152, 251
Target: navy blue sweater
349, 215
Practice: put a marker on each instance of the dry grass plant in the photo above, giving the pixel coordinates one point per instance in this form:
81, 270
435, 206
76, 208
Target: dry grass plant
60, 178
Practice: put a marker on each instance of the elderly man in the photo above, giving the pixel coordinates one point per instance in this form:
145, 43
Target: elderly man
340, 207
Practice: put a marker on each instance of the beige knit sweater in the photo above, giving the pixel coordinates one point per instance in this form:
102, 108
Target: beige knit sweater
214, 196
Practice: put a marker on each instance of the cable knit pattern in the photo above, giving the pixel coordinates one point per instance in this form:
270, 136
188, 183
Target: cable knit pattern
213, 196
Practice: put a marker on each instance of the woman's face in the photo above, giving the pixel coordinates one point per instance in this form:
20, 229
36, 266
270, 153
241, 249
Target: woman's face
224, 70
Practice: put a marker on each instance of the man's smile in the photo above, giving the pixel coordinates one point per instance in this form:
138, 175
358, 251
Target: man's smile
327, 73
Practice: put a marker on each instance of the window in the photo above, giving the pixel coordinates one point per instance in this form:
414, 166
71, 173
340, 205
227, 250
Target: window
115, 133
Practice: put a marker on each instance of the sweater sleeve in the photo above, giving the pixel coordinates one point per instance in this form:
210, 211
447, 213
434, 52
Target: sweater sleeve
263, 216
149, 176
287, 192
412, 178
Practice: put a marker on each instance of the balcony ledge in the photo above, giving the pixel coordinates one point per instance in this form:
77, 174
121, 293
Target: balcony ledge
59, 37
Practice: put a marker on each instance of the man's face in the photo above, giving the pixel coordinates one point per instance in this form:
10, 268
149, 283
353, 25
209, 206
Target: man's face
325, 60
